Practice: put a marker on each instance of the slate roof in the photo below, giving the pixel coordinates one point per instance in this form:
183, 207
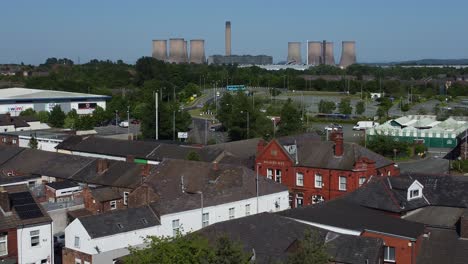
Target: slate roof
442, 246
17, 121
344, 214
130, 219
105, 194
139, 149
320, 154
58, 185
271, 235
436, 216
390, 193
225, 184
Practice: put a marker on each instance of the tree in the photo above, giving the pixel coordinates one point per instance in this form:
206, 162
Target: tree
345, 107
290, 119
193, 156
100, 115
33, 143
43, 116
191, 248
311, 250
57, 117
384, 106
360, 108
28, 112
326, 107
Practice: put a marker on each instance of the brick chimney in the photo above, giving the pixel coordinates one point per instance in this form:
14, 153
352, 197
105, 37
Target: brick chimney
464, 224
102, 165
215, 166
260, 146
4, 200
337, 137
145, 170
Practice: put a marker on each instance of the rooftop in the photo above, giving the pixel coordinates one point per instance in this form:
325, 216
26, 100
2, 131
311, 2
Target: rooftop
443, 246
271, 236
14, 94
220, 183
119, 221
45, 133
344, 214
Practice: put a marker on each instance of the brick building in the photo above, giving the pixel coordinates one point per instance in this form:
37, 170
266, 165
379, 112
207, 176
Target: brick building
316, 171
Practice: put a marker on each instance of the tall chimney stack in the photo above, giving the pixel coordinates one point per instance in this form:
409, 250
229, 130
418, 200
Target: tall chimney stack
337, 137
228, 38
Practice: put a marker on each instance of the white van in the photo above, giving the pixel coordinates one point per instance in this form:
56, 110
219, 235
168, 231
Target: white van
363, 125
123, 124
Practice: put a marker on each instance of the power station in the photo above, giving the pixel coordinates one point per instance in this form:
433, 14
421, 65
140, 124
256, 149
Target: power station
318, 52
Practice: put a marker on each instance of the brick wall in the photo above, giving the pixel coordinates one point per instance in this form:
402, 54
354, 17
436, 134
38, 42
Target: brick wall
12, 241
69, 256
96, 207
273, 157
405, 250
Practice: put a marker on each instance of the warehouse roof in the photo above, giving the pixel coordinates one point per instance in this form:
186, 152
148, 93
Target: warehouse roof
14, 94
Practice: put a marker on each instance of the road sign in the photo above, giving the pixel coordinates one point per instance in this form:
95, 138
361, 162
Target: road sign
182, 134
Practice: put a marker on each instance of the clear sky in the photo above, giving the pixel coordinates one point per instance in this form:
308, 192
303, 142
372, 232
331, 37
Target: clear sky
384, 30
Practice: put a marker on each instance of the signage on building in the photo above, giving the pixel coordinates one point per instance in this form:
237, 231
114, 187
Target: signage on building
87, 105
274, 162
182, 134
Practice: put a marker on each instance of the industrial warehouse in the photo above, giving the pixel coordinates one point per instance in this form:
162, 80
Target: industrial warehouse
16, 100
422, 129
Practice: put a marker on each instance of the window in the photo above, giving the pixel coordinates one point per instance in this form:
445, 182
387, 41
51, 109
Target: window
119, 225
113, 205
300, 179
270, 173
342, 183
299, 200
144, 221
389, 173
175, 227
278, 175
34, 238
232, 213
3, 245
389, 254
414, 193
247, 209
318, 181
362, 180
77, 241
205, 219
77, 261
31, 184
125, 198
14, 141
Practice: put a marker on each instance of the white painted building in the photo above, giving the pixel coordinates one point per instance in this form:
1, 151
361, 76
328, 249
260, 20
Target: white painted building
115, 245
16, 100
36, 244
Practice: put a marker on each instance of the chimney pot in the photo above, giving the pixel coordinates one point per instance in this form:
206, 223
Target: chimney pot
4, 201
215, 166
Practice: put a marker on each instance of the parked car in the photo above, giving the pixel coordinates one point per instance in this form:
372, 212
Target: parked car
59, 240
135, 121
124, 123
363, 125
333, 127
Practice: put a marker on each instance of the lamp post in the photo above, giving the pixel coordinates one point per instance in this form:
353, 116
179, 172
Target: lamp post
128, 120
248, 124
116, 121
258, 168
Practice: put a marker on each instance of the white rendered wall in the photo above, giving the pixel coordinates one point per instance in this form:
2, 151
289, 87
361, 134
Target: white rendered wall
28, 254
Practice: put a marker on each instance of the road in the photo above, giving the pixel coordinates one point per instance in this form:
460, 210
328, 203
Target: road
200, 132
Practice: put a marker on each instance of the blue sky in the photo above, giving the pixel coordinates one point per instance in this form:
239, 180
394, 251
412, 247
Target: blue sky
32, 31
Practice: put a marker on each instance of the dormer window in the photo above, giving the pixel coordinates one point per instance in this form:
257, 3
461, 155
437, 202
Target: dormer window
415, 190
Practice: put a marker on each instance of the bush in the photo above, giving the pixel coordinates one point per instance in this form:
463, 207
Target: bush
385, 146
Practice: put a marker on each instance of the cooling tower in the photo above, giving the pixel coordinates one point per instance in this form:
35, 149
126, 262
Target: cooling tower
315, 52
348, 54
294, 53
176, 50
228, 38
160, 49
197, 51
329, 57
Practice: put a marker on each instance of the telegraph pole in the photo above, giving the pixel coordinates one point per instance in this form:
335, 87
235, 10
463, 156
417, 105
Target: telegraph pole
156, 116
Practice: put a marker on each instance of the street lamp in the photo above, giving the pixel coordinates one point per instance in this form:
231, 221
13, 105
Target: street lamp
116, 121
128, 120
258, 168
248, 124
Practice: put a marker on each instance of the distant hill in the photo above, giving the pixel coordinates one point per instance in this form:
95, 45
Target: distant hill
424, 62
